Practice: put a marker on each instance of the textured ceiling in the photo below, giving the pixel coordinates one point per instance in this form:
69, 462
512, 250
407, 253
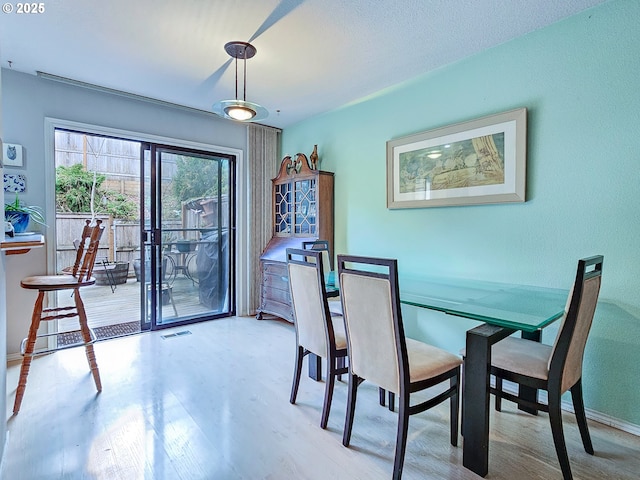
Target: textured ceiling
312, 55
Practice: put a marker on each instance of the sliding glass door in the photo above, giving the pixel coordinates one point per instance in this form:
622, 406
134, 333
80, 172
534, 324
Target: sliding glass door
187, 235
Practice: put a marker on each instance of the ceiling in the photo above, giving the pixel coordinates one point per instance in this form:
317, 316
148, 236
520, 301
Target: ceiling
312, 55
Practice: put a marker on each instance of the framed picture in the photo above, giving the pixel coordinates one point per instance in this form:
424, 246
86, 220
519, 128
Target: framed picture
15, 183
11, 155
474, 162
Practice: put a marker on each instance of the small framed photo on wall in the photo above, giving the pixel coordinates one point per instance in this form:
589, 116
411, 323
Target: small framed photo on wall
11, 155
15, 183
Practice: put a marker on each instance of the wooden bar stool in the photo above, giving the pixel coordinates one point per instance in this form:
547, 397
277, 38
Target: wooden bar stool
76, 277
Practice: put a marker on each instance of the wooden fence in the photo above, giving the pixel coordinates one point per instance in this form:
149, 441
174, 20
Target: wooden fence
120, 241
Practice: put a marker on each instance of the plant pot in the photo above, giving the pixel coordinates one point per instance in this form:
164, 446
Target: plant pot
185, 246
138, 271
111, 273
136, 268
19, 220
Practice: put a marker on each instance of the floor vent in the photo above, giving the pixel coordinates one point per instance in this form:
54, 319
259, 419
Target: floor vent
176, 334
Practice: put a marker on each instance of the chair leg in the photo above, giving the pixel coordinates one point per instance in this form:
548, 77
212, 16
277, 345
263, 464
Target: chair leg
340, 364
555, 418
498, 398
296, 374
173, 304
84, 329
351, 408
454, 407
401, 441
581, 418
28, 351
461, 389
328, 391
382, 393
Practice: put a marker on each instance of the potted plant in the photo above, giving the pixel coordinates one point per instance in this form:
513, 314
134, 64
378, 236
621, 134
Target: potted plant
19, 215
185, 246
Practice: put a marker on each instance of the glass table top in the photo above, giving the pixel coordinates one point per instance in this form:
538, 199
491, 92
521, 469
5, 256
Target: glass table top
520, 307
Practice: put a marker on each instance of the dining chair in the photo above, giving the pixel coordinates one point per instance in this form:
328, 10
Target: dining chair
323, 246
556, 368
335, 304
317, 332
335, 307
380, 353
79, 276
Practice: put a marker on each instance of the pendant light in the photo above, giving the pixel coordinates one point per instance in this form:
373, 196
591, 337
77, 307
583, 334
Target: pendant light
240, 110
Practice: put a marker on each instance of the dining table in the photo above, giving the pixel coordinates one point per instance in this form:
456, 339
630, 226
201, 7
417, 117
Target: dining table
503, 310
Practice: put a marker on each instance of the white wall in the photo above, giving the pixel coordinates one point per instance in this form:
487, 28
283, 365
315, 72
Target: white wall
3, 317
28, 100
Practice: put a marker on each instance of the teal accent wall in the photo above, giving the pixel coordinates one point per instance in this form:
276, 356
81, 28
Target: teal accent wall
580, 81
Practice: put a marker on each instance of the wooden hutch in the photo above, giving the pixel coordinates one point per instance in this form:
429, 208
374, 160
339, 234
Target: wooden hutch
302, 211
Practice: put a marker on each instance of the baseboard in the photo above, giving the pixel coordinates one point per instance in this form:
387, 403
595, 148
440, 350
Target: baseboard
13, 357
604, 419
567, 405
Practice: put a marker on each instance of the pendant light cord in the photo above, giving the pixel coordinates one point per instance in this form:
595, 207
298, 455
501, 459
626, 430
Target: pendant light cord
236, 78
244, 83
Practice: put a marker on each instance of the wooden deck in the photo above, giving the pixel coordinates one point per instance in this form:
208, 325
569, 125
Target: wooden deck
105, 307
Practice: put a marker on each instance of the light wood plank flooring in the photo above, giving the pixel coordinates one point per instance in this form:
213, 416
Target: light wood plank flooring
215, 405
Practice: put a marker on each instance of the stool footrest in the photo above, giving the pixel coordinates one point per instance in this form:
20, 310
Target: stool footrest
81, 343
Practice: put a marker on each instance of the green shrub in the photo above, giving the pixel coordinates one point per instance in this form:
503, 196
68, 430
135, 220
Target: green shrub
73, 194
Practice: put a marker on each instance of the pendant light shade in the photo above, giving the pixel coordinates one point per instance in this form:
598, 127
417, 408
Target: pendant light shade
240, 110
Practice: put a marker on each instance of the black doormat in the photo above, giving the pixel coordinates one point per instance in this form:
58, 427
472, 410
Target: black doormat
102, 333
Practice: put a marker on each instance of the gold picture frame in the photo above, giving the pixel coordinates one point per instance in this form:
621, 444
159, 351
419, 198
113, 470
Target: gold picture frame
475, 162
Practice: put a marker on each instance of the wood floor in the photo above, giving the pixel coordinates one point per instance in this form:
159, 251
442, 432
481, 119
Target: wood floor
215, 405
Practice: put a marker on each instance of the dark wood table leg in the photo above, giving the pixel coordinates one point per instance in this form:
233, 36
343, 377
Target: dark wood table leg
529, 393
475, 398
315, 367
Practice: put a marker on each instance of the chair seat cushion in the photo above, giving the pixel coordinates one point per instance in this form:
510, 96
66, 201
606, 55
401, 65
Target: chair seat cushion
54, 282
427, 361
339, 332
520, 356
